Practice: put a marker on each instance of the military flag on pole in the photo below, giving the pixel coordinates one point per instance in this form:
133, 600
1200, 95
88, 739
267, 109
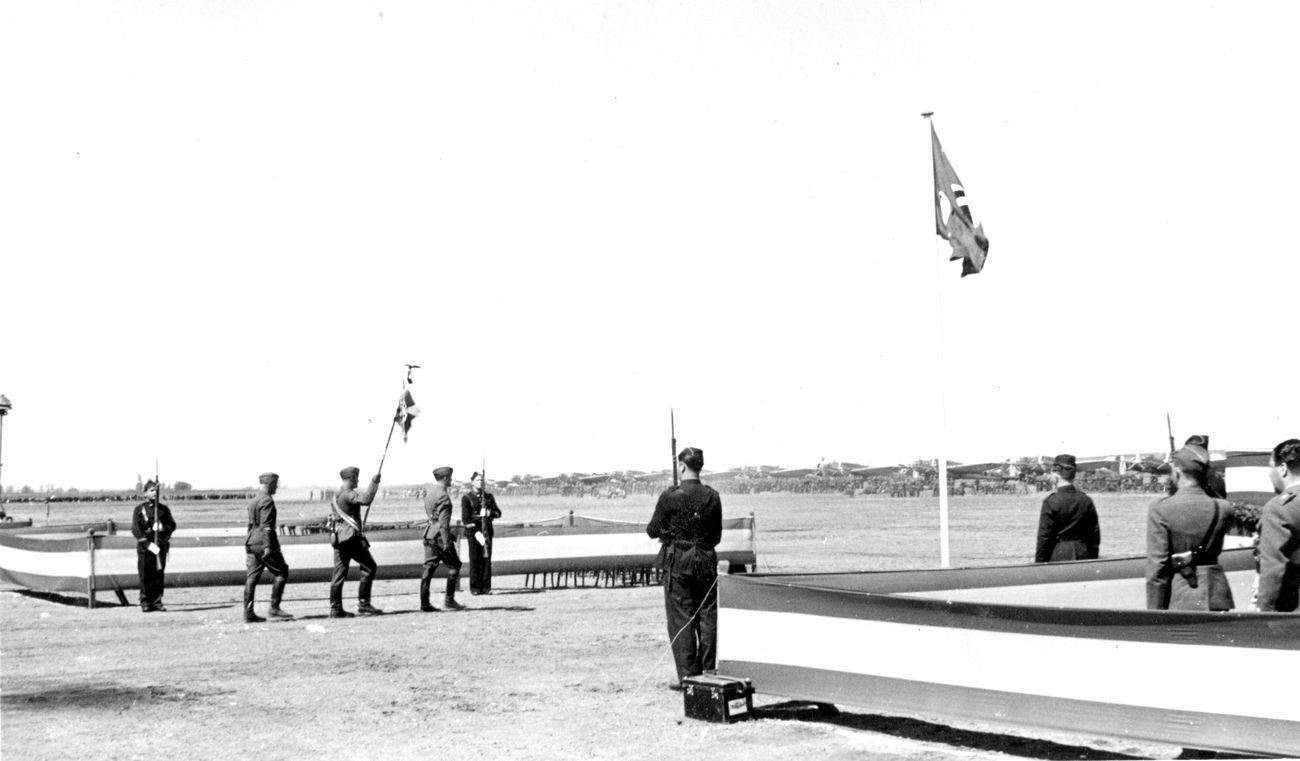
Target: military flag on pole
406, 412
953, 218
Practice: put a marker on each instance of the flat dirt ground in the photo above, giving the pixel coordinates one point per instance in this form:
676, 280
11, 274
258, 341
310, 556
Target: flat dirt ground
572, 673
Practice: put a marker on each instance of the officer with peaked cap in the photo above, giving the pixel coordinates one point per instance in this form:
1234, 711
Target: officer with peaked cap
1279, 534
152, 526
1068, 528
350, 543
688, 520
262, 547
1184, 538
439, 543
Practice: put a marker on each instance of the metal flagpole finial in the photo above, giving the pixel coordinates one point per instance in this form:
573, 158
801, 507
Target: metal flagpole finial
927, 114
409, 368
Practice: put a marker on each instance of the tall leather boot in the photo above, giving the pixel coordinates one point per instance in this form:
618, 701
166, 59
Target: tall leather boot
250, 616
277, 594
425, 605
449, 602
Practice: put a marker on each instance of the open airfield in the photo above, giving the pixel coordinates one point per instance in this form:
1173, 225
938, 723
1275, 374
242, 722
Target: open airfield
577, 672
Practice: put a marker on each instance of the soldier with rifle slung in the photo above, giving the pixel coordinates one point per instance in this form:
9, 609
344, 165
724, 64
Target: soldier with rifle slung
152, 526
478, 508
350, 543
439, 543
688, 518
262, 548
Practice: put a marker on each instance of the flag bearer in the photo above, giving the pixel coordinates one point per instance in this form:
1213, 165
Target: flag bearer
350, 544
439, 543
263, 550
152, 526
688, 519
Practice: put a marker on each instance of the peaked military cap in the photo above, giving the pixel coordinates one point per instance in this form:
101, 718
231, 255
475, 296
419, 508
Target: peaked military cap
1192, 459
150, 484
1064, 461
350, 472
268, 478
443, 472
1198, 440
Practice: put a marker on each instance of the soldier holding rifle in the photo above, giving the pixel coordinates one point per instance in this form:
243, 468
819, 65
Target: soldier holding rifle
152, 526
478, 508
439, 543
350, 543
688, 518
263, 550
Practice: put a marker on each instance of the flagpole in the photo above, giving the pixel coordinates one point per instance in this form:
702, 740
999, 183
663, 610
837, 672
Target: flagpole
943, 392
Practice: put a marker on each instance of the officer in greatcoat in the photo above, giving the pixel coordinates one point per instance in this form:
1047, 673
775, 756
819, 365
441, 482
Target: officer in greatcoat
1068, 528
1185, 533
262, 550
1279, 534
152, 526
478, 508
350, 543
439, 543
688, 521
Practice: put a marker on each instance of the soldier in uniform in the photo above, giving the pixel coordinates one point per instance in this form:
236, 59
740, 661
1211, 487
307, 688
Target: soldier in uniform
1184, 537
439, 543
152, 526
478, 508
1067, 526
1279, 534
262, 548
350, 544
688, 521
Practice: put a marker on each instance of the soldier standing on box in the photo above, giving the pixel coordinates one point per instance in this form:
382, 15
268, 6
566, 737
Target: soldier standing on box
688, 520
1067, 527
263, 550
152, 526
478, 508
351, 544
1184, 538
439, 543
1279, 534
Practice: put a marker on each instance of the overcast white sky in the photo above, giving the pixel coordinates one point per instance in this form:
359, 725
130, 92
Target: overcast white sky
576, 215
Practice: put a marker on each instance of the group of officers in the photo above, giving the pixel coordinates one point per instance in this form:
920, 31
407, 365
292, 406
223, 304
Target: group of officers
1185, 532
152, 525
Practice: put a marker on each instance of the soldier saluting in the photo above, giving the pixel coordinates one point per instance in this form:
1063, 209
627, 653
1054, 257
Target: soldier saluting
350, 544
263, 550
439, 543
152, 526
688, 519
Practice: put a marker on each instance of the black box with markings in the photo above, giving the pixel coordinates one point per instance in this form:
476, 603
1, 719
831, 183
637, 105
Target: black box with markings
721, 699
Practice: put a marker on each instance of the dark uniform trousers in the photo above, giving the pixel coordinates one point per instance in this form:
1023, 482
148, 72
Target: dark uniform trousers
691, 607
152, 570
273, 561
358, 549
480, 565
435, 553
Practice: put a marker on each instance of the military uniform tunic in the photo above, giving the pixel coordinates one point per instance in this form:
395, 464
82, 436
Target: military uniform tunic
688, 519
150, 567
1068, 528
1279, 552
439, 543
262, 548
1178, 523
480, 558
352, 545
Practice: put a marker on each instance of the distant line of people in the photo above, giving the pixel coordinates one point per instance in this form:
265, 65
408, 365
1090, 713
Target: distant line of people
1185, 532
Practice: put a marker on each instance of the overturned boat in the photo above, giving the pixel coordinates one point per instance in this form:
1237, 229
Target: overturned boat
1062, 646
96, 557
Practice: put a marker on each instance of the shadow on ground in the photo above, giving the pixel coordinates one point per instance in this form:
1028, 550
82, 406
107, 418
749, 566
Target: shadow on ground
100, 696
916, 729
